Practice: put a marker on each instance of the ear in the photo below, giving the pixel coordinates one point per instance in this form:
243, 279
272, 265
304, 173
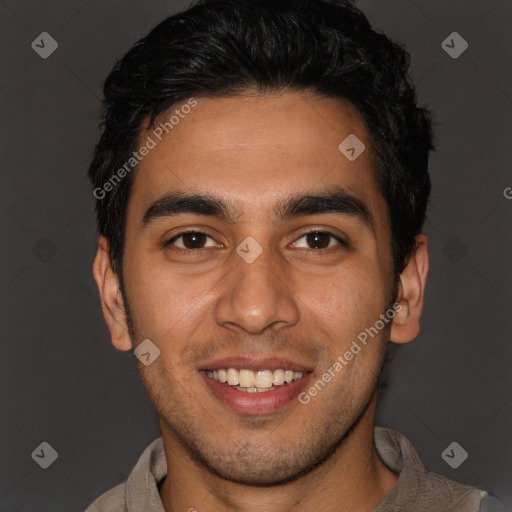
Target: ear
411, 292
111, 297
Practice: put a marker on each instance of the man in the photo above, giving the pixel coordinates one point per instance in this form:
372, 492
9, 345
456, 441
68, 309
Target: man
261, 185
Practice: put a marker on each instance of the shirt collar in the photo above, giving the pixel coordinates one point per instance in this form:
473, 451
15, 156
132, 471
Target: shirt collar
414, 482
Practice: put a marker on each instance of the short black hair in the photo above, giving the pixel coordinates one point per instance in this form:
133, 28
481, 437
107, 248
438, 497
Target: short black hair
229, 47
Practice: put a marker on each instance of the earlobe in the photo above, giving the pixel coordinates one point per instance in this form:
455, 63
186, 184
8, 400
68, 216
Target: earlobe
111, 297
411, 293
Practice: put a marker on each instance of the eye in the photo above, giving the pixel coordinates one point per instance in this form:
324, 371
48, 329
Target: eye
321, 240
190, 241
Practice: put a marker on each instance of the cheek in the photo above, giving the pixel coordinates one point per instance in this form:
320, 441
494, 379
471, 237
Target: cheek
165, 302
346, 302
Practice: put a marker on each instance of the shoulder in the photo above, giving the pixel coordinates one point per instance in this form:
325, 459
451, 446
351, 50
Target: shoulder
113, 500
493, 504
417, 487
141, 486
460, 497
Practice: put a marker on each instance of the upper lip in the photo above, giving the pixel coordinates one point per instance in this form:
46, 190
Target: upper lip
255, 363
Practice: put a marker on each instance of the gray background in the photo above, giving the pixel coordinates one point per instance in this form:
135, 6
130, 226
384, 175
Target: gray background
62, 381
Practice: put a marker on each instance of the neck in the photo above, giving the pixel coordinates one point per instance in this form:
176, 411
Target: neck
353, 477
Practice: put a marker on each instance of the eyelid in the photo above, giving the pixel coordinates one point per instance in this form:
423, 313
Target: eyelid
341, 241
181, 233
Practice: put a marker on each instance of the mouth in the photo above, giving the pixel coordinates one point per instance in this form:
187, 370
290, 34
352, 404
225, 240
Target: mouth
255, 386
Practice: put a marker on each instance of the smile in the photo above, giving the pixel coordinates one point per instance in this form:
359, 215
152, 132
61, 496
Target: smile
255, 392
250, 381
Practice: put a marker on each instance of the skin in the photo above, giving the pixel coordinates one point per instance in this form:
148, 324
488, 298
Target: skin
295, 301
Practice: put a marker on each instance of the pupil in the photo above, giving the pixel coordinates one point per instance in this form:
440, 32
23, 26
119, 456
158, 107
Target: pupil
314, 238
194, 238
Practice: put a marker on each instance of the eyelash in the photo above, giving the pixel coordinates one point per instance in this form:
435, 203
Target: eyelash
188, 251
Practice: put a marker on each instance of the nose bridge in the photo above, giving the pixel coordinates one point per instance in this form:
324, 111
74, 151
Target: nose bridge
259, 275
255, 296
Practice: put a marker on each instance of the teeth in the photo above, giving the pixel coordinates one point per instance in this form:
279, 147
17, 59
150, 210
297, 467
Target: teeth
253, 390
233, 379
278, 377
246, 379
254, 382
264, 379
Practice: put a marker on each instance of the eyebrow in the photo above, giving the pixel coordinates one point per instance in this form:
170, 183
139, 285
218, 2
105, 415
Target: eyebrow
329, 200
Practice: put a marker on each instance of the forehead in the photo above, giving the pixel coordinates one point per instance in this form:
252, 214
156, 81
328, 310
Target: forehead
256, 150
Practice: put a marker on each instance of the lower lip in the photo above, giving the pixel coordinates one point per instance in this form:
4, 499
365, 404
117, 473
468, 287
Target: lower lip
258, 402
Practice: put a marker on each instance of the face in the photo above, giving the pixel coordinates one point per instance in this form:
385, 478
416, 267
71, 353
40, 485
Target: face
250, 277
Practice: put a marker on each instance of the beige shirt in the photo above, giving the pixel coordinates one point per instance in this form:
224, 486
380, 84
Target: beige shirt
417, 489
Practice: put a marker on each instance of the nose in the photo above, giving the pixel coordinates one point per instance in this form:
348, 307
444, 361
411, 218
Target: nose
257, 295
